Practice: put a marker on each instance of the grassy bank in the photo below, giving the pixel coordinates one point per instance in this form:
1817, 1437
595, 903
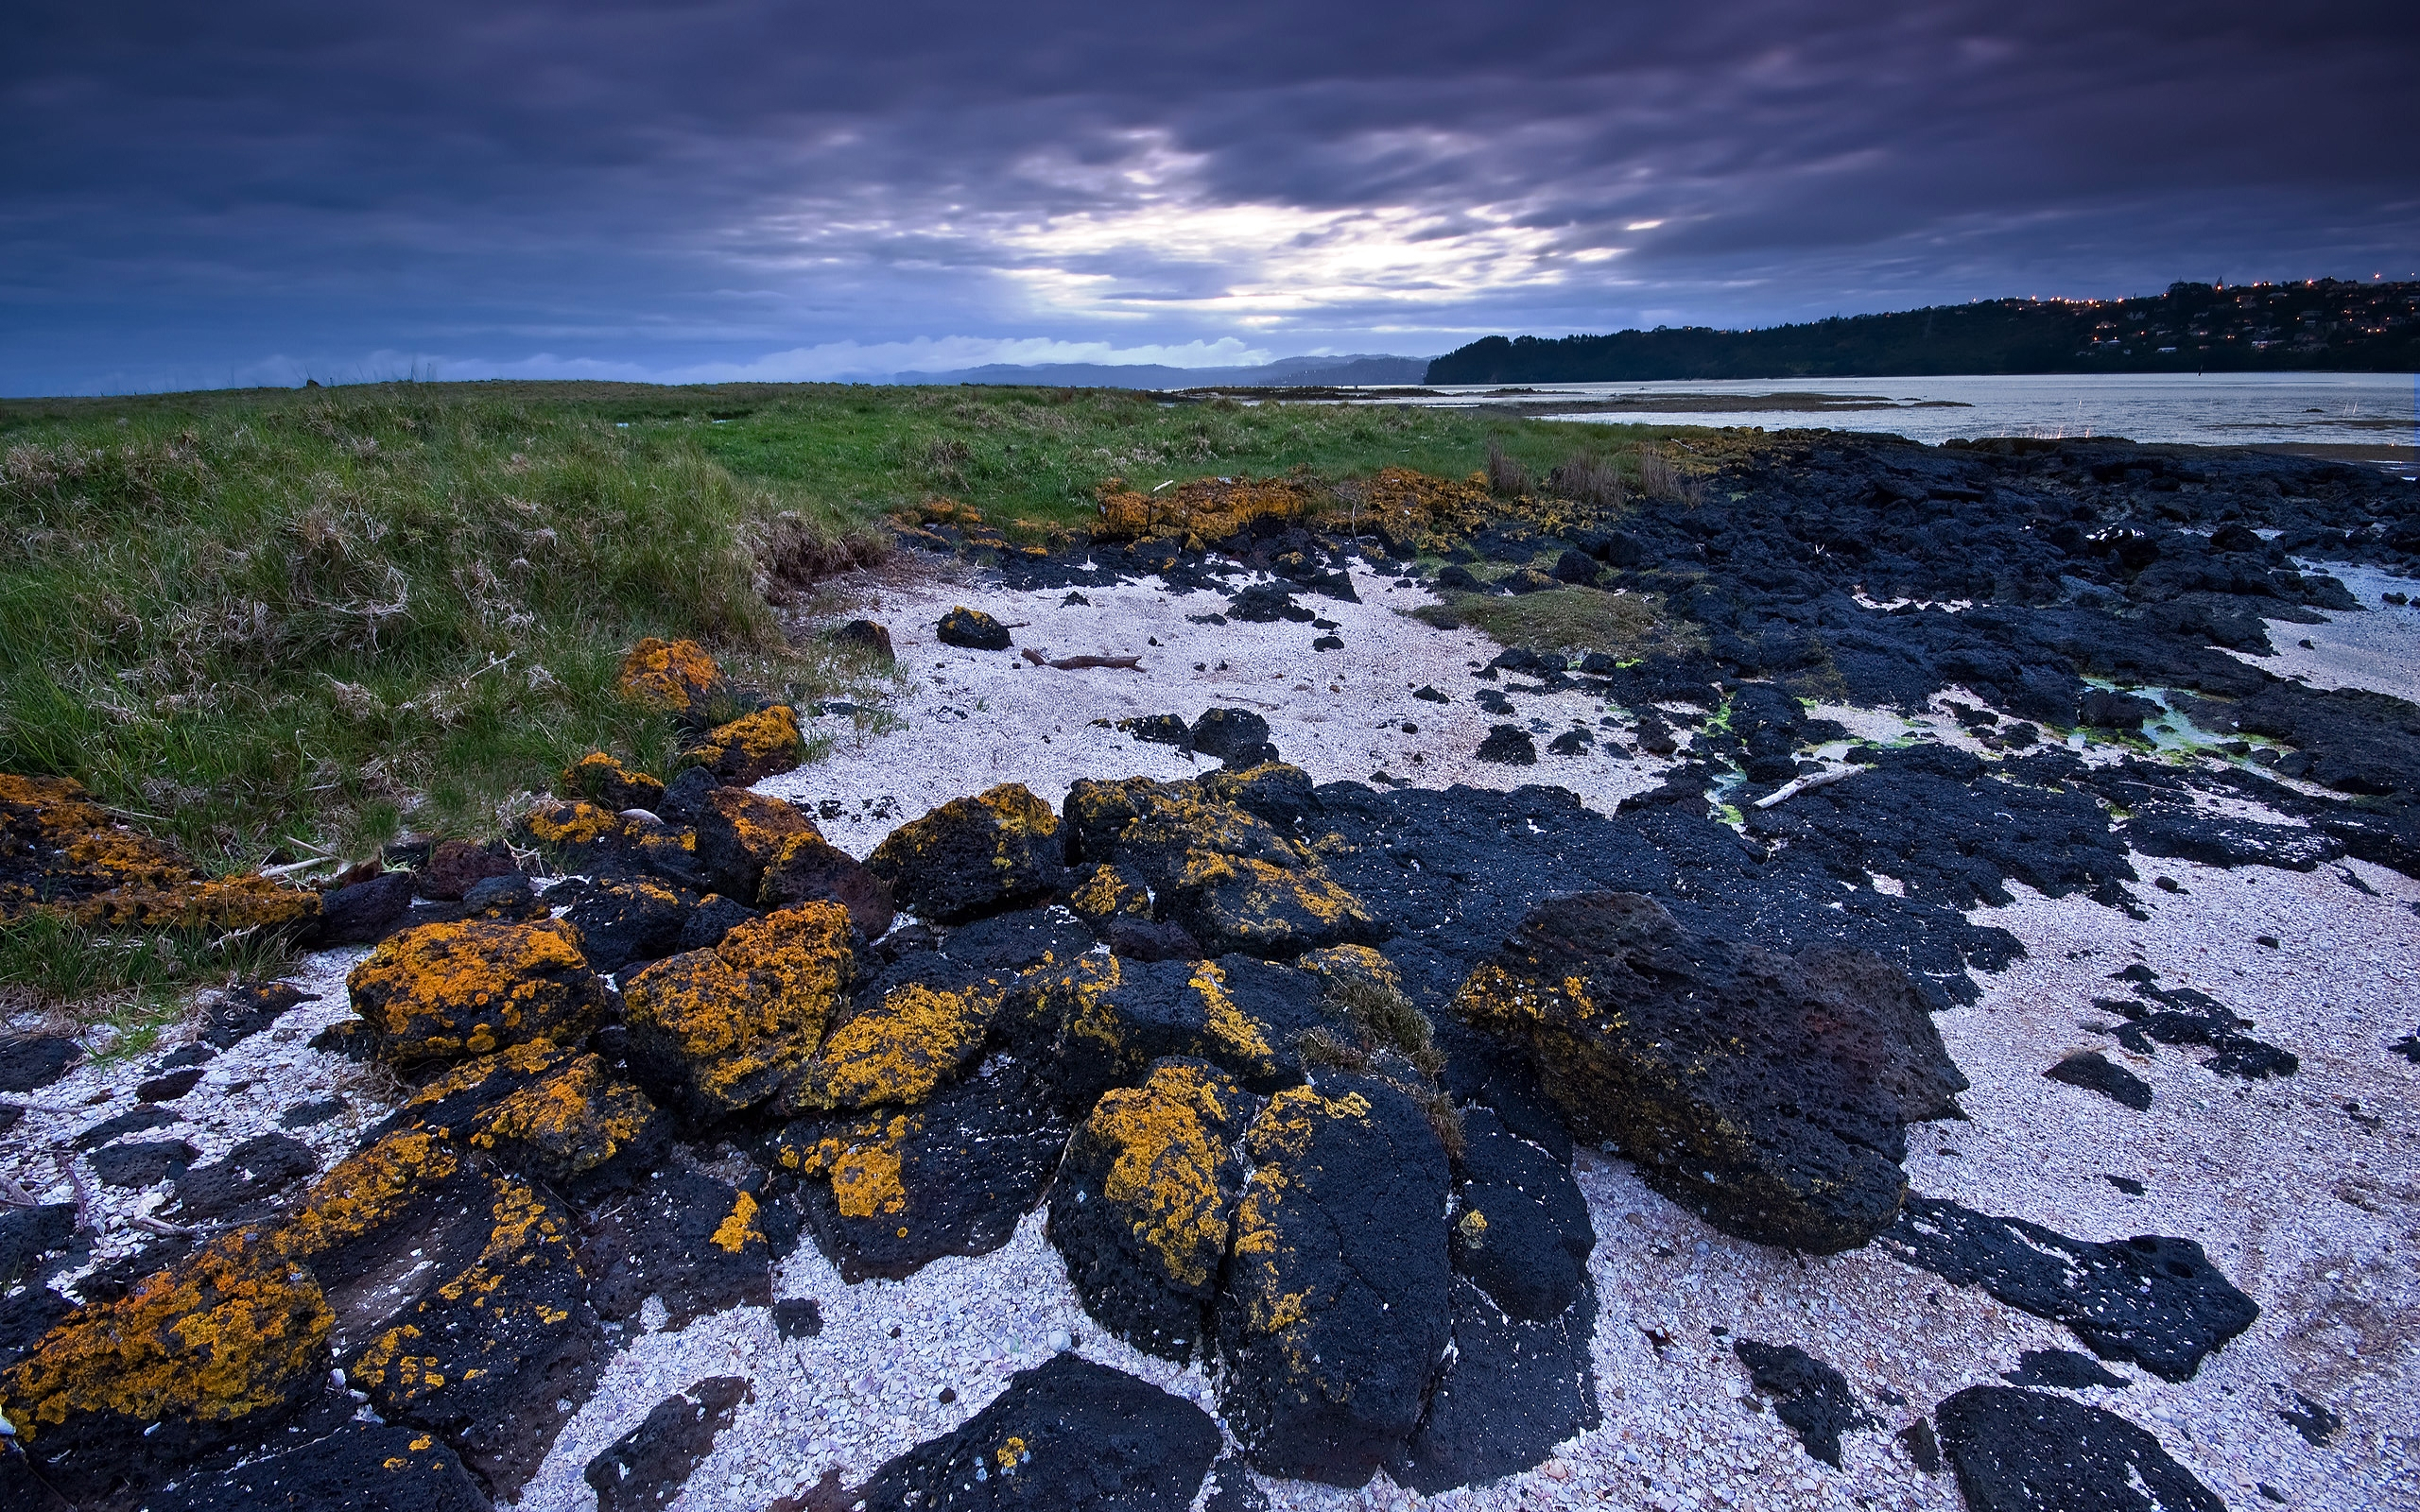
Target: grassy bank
266, 623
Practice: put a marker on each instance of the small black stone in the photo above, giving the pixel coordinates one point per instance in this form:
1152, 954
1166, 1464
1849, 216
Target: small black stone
974, 630
2124, 1183
134, 1121
1812, 1398
798, 1317
2094, 1072
169, 1087
1328, 642
35, 1061
2317, 1424
1922, 1447
317, 1110
141, 1164
1509, 746
645, 1467
1429, 695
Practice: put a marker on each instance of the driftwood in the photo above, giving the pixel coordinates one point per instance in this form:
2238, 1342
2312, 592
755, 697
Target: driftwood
1074, 663
1792, 788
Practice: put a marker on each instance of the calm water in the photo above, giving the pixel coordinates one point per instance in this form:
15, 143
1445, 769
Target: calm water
2377, 410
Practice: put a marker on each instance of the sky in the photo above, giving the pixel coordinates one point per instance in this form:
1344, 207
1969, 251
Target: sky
261, 191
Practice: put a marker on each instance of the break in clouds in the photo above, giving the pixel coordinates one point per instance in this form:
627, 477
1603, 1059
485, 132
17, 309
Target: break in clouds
747, 190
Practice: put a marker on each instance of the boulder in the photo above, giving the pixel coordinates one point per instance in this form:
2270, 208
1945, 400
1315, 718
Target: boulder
1223, 873
1509, 746
1510, 1391
444, 992
810, 866
692, 1239
974, 630
575, 1127
645, 1467
365, 912
866, 636
740, 835
716, 1031
1811, 1398
1067, 1435
974, 856
1099, 1020
453, 866
1145, 1203
1105, 893
1336, 1305
1769, 1093
670, 677
894, 1052
2021, 1451
219, 1348
612, 786
486, 1358
1522, 1230
750, 749
1236, 737
625, 922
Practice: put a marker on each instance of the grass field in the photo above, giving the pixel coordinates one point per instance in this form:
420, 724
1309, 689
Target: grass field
269, 623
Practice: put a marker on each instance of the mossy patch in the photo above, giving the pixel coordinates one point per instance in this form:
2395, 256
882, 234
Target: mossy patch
1623, 625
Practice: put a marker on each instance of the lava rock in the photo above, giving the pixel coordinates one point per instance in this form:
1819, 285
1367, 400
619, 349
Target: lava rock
1067, 1435
2316, 1423
443, 991
798, 1317
716, 1031
1144, 1203
360, 1467
2062, 1370
1812, 1398
612, 786
1266, 604
1513, 1389
622, 923
1429, 695
316, 1110
1100, 1023
974, 630
134, 1121
671, 676
32, 1063
811, 868
1236, 737
710, 921
1509, 746
645, 1467
1523, 1233
749, 749
866, 636
974, 856
511, 899
1769, 1093
2155, 1300
1338, 1304
1141, 940
454, 866
141, 1163
2024, 1451
259, 1168
169, 1087
27, 1234
741, 834
2094, 1072
366, 912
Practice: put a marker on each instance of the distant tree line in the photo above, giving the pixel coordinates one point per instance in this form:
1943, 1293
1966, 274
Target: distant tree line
2324, 325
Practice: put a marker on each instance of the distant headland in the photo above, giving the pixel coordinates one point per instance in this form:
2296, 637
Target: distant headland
2321, 325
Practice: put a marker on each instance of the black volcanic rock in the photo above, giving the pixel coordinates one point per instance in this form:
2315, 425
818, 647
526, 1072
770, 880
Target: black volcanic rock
2027, 1452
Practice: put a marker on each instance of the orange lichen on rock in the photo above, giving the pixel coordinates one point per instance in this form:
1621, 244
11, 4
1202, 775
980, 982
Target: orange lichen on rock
738, 1230
1204, 509
218, 902
670, 677
62, 852
608, 784
974, 856
1341, 966
1171, 1168
232, 1330
1108, 891
443, 991
1432, 511
752, 748
368, 1192
568, 1124
572, 822
898, 1051
723, 1028
862, 1161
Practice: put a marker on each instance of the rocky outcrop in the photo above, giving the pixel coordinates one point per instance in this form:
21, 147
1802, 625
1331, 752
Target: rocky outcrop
61, 853
671, 676
716, 1031
750, 749
446, 991
1338, 1304
606, 782
1769, 1093
2019, 1450
974, 856
1144, 1204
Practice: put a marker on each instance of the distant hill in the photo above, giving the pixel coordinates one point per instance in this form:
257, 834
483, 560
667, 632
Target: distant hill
2324, 325
1286, 372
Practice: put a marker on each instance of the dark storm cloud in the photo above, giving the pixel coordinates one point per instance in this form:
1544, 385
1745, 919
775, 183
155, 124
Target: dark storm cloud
206, 196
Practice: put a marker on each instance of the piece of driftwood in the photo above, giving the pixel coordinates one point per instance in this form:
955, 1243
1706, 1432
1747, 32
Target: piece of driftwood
1797, 785
1073, 664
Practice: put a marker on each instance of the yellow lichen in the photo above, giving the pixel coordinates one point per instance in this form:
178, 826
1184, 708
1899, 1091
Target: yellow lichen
733, 1234
444, 990
1342, 965
367, 1192
740, 1017
1204, 509
751, 747
1233, 1030
608, 783
234, 1329
574, 821
897, 1052
1108, 891
1170, 1136
669, 676
571, 1123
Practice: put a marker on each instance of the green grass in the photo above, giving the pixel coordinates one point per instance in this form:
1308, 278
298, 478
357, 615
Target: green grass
134, 983
1625, 626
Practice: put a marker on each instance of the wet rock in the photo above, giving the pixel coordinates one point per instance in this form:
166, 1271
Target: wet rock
740, 835
486, 1359
1066, 1435
974, 856
1512, 1389
366, 912
622, 923
27, 1234
671, 676
139, 1163
612, 786
1509, 746
2060, 1369
2094, 1072
749, 749
645, 1467
34, 1061
169, 1087
2022, 1450
974, 630
716, 1031
454, 866
443, 991
1337, 1302
360, 1467
1769, 1093
810, 868
221, 1347
1811, 1399
1523, 1232
885, 1193
1144, 1203
2155, 1300
253, 1171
